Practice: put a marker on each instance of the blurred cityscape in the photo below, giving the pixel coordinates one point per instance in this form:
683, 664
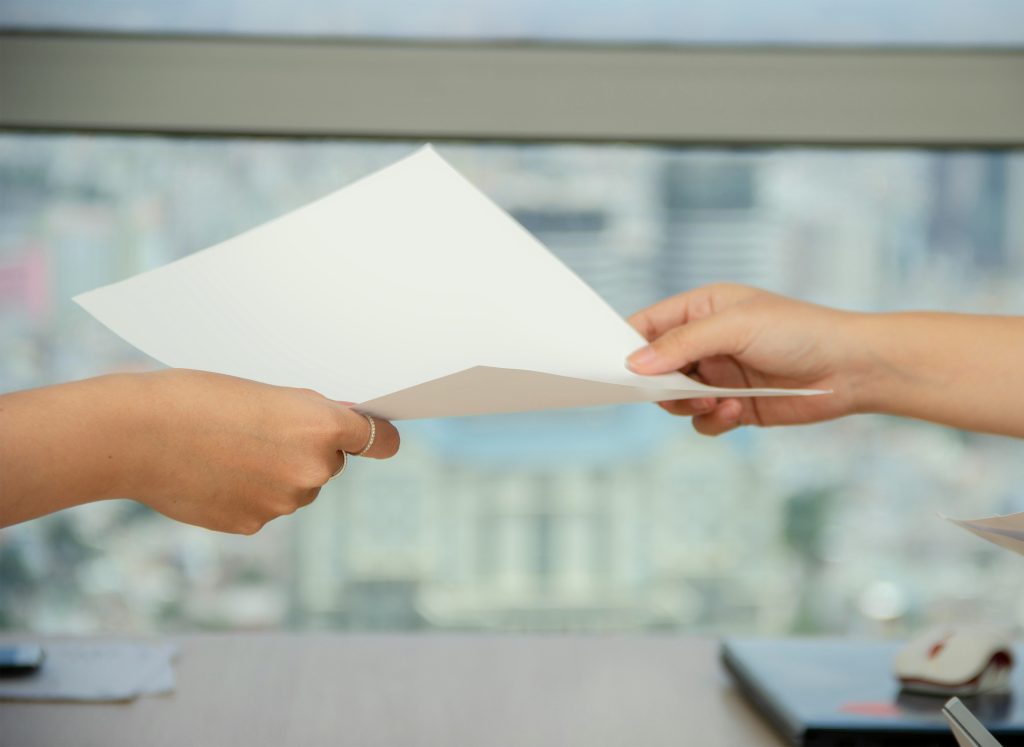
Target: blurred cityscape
604, 519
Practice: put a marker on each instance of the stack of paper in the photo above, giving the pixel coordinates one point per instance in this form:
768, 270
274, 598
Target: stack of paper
1005, 531
408, 292
96, 672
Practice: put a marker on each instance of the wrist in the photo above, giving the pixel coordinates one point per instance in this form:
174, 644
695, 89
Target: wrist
128, 429
890, 368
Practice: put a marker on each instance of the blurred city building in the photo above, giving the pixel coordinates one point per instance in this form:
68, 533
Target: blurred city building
607, 519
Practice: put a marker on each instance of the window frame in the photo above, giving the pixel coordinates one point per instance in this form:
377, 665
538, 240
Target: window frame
352, 88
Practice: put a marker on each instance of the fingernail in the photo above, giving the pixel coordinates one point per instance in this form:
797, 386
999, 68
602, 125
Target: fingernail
645, 357
703, 405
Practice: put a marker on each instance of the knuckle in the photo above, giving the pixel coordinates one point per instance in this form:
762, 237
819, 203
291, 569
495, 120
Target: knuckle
318, 424
345, 428
339, 419
329, 426
290, 503
313, 475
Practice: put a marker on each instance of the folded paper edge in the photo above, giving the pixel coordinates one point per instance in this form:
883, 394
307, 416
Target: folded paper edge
367, 405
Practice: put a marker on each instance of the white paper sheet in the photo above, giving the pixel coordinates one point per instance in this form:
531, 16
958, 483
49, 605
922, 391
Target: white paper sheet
408, 292
96, 671
1005, 531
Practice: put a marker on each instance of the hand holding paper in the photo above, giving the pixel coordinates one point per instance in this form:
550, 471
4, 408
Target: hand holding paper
733, 336
216, 451
408, 292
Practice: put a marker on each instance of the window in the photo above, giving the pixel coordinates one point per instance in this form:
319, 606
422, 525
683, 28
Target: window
617, 518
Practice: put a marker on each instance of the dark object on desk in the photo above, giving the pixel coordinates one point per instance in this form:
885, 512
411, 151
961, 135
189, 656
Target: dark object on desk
841, 693
21, 660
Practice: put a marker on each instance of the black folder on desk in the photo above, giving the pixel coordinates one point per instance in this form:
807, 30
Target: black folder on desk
842, 693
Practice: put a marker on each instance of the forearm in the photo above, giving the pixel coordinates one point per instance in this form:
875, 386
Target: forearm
961, 370
65, 445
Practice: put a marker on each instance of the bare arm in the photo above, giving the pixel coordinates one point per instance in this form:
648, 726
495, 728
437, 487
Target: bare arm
205, 449
957, 369
962, 370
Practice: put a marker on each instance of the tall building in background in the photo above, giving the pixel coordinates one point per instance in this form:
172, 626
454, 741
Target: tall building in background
968, 208
715, 227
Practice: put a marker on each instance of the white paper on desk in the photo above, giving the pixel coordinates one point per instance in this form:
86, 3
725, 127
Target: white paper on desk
1005, 531
408, 292
96, 671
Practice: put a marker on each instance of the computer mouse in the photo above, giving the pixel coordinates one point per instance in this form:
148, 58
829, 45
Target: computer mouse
958, 660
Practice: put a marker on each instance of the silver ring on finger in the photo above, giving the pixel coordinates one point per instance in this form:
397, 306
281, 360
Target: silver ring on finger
372, 438
344, 464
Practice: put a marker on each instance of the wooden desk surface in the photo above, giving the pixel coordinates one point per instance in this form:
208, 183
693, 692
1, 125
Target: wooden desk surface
399, 690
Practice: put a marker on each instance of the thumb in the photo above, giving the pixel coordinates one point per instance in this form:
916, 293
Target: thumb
722, 334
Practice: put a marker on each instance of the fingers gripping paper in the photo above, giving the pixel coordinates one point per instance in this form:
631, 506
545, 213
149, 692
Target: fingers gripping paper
408, 292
